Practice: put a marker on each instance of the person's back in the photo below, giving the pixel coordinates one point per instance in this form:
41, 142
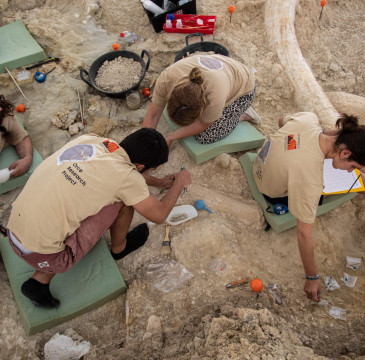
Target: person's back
75, 182
291, 163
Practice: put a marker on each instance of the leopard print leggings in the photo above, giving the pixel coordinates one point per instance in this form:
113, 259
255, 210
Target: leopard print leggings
228, 121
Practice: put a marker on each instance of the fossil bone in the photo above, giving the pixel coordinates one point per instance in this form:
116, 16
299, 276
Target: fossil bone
309, 95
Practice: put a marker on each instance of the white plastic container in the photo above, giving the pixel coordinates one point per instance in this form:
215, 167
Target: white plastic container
151, 6
5, 175
178, 24
168, 24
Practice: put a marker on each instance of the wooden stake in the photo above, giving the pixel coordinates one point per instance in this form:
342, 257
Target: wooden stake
15, 83
78, 94
83, 109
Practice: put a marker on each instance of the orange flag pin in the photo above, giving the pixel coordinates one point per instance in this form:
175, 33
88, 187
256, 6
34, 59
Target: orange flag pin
323, 3
231, 10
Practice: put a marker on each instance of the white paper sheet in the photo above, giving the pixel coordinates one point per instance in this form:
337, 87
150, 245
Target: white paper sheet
336, 180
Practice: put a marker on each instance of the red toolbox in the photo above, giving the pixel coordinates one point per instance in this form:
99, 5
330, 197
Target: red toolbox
204, 24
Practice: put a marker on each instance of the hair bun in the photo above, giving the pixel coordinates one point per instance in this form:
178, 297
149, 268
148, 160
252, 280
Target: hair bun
196, 76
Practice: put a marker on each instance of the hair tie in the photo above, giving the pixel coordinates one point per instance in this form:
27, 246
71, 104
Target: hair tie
181, 108
196, 81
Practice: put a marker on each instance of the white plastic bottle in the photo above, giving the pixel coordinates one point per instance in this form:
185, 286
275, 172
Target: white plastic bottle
129, 37
151, 6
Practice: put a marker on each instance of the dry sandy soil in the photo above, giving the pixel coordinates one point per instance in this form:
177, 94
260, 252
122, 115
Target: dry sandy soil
201, 319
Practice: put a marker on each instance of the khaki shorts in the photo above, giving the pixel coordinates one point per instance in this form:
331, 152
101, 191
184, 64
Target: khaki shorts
76, 245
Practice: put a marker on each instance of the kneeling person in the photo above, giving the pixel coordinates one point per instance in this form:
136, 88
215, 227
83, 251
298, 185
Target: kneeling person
90, 185
289, 169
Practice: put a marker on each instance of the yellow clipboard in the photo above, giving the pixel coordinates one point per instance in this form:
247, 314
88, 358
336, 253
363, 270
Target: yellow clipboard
340, 181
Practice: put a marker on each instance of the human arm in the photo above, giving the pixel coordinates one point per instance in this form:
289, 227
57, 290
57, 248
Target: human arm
157, 210
152, 116
330, 132
306, 249
281, 122
25, 152
164, 183
196, 127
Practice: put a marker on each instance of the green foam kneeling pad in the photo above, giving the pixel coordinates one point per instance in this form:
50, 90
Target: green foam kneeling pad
92, 282
286, 221
243, 137
17, 47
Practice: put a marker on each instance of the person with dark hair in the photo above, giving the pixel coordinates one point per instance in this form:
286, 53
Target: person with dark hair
288, 170
90, 185
11, 133
207, 95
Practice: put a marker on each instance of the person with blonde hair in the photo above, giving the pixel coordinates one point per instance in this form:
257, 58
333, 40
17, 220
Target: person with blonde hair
207, 95
288, 170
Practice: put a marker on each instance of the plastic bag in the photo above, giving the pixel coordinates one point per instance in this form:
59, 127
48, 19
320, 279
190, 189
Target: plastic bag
338, 313
349, 280
353, 263
167, 275
218, 266
275, 293
61, 347
331, 283
321, 302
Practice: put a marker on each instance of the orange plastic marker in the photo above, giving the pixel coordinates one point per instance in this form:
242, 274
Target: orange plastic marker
231, 10
256, 285
20, 108
115, 46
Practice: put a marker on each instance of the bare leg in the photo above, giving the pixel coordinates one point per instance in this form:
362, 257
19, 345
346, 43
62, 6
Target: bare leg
245, 117
43, 277
124, 242
120, 227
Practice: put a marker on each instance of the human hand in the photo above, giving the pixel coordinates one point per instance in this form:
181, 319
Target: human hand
183, 178
20, 167
169, 140
313, 290
167, 181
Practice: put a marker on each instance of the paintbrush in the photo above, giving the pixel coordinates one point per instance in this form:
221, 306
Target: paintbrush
166, 244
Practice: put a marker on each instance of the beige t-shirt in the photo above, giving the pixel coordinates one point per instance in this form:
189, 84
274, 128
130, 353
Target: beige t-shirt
225, 80
15, 133
291, 164
74, 183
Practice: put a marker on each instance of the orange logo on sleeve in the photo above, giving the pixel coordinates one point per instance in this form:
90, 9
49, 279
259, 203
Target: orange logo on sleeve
292, 144
111, 145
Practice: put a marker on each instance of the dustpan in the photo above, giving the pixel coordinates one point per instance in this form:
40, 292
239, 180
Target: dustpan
180, 214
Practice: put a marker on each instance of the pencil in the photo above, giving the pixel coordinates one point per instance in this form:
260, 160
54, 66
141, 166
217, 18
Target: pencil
354, 183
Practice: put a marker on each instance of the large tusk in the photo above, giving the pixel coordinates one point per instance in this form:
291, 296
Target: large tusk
309, 95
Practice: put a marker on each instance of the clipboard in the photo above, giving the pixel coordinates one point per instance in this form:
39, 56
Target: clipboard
338, 181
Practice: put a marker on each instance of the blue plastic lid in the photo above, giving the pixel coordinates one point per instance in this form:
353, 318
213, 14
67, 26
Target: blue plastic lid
170, 17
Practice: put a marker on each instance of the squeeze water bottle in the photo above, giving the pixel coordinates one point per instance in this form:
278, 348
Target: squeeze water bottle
129, 37
152, 7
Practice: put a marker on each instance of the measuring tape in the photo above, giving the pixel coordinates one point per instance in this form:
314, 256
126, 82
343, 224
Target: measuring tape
280, 209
